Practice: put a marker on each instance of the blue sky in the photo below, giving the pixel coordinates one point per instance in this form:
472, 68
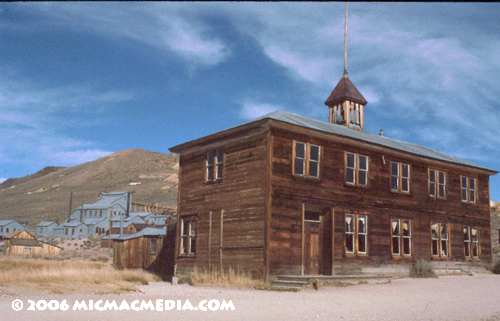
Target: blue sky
79, 81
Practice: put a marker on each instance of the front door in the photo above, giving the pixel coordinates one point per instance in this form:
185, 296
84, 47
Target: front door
312, 243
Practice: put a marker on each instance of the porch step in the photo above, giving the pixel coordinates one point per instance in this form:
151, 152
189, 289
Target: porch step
299, 281
297, 284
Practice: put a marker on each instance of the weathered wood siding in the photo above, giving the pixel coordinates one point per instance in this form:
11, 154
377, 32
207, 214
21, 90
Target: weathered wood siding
231, 212
377, 201
44, 248
135, 253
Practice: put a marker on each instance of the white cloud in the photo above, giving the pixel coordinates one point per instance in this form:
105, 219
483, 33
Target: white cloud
3, 180
312, 70
166, 27
252, 110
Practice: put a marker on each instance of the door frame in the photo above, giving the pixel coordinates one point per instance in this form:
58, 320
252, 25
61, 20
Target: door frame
323, 211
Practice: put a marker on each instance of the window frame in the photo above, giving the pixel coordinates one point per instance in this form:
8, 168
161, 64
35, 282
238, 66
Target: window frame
437, 184
471, 246
400, 178
440, 241
152, 248
356, 235
214, 165
186, 239
356, 170
401, 237
306, 160
467, 189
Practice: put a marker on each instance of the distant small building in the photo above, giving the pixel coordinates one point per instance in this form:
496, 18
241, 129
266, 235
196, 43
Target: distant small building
45, 228
75, 230
22, 242
138, 250
9, 226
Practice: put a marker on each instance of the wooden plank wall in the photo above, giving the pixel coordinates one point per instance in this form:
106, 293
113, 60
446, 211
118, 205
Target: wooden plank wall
230, 213
135, 253
377, 201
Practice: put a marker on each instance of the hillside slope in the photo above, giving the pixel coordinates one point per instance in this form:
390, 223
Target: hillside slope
46, 194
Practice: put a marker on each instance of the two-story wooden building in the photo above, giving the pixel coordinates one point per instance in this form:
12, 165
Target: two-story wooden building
286, 194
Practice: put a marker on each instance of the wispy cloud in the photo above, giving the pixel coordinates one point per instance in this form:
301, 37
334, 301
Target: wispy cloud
167, 27
251, 110
34, 117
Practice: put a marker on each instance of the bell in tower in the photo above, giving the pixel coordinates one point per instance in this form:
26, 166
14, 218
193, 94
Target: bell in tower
346, 102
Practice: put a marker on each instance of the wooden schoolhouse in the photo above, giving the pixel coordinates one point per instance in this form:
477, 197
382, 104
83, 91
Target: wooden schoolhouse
285, 194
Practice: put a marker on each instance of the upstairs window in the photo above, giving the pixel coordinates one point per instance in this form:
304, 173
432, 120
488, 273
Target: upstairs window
471, 242
437, 183
356, 234
468, 189
215, 165
400, 177
401, 237
306, 160
188, 235
356, 169
440, 240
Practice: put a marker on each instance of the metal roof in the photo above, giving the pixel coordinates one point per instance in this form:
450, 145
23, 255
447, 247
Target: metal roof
148, 231
340, 130
5, 222
45, 223
25, 242
345, 89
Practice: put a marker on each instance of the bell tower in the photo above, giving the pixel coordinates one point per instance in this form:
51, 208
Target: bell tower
346, 102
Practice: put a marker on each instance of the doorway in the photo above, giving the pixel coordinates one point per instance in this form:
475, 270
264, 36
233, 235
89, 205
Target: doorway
312, 243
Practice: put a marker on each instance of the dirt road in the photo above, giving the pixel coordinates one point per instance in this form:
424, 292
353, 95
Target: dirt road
446, 298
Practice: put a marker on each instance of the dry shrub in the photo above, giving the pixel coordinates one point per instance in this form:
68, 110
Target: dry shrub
496, 268
422, 269
68, 276
228, 277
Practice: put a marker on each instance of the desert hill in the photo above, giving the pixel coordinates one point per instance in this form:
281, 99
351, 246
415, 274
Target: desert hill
45, 195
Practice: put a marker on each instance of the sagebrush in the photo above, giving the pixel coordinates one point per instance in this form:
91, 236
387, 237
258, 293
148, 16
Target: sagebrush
422, 269
496, 268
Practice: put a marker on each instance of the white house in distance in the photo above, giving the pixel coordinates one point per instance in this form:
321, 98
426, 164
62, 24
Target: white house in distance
45, 228
9, 226
89, 219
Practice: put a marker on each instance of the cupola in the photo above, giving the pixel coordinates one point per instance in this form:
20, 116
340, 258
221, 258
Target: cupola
346, 102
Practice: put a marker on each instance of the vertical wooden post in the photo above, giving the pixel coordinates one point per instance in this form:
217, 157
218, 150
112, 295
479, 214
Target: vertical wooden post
220, 241
302, 255
333, 240
209, 237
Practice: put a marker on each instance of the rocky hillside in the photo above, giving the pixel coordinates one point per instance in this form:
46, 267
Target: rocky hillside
45, 195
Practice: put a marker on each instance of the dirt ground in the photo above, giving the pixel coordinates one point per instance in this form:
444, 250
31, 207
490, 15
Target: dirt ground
446, 298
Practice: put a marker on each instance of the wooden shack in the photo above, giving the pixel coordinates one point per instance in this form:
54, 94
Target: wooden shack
138, 250
287, 194
23, 243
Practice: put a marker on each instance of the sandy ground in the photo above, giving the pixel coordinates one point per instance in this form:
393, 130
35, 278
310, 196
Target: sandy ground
446, 298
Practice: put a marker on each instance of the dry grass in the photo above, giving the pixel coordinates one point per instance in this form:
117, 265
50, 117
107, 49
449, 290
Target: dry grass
69, 276
229, 277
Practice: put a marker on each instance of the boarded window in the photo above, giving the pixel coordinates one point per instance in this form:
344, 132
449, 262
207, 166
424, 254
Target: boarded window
306, 160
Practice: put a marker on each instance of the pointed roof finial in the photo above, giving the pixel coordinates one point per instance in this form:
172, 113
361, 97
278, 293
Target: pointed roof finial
345, 42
